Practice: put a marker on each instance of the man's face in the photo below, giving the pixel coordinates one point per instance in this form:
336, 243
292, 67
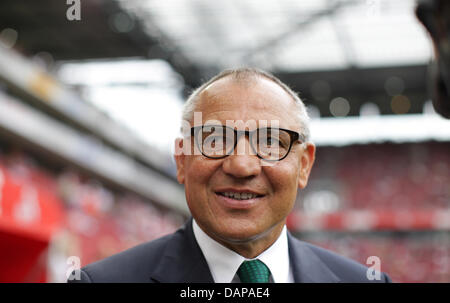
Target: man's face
206, 180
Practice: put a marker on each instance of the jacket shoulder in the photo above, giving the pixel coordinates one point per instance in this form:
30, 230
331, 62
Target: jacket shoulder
132, 265
347, 270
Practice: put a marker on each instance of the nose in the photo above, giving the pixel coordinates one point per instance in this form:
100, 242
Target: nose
243, 163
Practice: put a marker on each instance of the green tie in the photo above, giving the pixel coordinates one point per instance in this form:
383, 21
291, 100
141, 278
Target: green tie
253, 271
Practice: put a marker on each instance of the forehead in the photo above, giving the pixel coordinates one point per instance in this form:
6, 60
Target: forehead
256, 99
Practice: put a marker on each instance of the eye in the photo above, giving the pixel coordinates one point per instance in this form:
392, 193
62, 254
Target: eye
270, 141
213, 141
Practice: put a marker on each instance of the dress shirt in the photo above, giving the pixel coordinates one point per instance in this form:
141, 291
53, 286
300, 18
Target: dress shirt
224, 263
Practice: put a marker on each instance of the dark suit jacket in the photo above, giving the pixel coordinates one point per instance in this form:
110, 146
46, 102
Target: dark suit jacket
178, 258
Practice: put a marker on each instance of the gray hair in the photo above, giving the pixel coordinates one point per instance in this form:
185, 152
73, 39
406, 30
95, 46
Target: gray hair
245, 73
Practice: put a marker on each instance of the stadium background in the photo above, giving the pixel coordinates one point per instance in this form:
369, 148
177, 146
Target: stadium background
89, 109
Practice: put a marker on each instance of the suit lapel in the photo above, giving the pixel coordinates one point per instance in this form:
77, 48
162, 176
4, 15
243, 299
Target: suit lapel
182, 260
306, 265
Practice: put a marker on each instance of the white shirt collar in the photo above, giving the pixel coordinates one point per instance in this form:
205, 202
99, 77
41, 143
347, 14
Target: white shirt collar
224, 263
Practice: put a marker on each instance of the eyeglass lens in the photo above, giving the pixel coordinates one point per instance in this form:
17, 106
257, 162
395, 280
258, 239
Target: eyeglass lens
268, 143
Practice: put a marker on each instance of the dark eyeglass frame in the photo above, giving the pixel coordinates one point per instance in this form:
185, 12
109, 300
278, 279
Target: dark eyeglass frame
294, 137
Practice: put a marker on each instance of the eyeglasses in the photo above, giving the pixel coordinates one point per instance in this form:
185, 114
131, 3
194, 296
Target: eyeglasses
270, 144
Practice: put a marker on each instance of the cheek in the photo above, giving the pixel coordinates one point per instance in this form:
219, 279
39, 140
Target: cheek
284, 177
198, 174
284, 183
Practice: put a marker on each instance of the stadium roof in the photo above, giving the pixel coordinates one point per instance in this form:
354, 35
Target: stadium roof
287, 35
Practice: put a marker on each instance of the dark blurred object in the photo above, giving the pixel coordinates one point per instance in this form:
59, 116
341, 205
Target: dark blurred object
435, 16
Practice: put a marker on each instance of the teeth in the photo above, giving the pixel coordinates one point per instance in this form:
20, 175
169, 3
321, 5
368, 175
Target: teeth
239, 196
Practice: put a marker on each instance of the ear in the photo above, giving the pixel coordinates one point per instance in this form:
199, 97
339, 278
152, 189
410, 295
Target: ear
307, 158
179, 159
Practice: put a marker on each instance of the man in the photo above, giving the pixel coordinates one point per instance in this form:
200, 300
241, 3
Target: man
245, 153
435, 16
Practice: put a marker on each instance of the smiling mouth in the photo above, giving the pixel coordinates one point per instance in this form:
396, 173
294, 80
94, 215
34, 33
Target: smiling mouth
239, 196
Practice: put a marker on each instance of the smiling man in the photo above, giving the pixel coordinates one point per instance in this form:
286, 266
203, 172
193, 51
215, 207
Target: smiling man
244, 154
